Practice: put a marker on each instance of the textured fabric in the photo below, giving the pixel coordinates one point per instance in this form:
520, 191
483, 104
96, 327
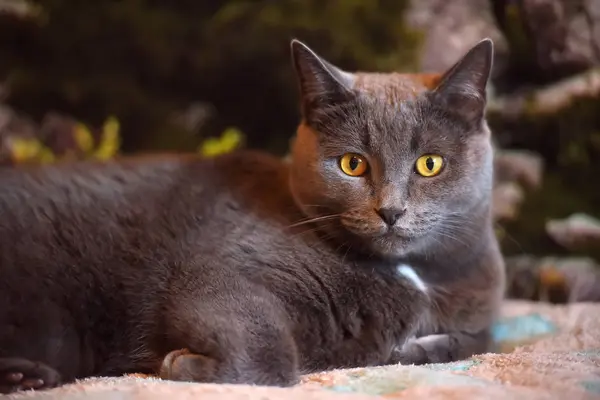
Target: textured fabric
548, 352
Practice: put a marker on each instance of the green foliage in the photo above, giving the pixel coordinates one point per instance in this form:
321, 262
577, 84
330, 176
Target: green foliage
141, 60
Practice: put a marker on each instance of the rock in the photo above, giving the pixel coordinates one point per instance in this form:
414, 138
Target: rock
522, 278
583, 278
451, 28
558, 120
194, 118
548, 99
553, 279
506, 199
18, 7
524, 167
514, 171
62, 135
565, 34
579, 231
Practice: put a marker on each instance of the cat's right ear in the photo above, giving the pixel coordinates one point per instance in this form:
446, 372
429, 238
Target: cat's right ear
321, 83
463, 86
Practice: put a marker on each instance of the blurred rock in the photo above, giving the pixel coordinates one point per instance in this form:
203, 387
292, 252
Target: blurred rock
548, 99
20, 7
523, 278
194, 117
451, 28
524, 167
552, 279
559, 121
57, 131
565, 33
577, 232
514, 171
506, 200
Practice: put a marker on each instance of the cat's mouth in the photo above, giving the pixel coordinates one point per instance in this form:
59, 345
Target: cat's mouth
387, 241
384, 232
381, 238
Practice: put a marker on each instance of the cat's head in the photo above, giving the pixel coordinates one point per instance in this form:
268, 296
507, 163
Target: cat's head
403, 161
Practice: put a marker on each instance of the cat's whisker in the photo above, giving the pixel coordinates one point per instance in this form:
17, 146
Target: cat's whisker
311, 230
450, 236
510, 237
459, 229
345, 254
315, 219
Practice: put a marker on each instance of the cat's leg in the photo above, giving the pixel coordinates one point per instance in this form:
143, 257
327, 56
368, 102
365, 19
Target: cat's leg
21, 374
235, 337
441, 348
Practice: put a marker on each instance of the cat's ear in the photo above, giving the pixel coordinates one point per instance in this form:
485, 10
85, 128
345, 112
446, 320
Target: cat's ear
463, 87
321, 83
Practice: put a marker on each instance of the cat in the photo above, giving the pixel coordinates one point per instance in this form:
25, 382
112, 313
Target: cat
374, 245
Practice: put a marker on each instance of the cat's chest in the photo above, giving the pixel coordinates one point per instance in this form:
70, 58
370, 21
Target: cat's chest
398, 299
385, 296
412, 277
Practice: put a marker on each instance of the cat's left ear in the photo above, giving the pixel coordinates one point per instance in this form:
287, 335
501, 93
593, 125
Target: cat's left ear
321, 83
463, 87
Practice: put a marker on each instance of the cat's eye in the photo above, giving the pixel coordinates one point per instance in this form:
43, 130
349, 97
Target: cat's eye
353, 164
429, 165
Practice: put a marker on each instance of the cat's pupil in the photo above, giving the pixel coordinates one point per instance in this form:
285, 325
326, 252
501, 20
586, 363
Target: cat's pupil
429, 163
354, 161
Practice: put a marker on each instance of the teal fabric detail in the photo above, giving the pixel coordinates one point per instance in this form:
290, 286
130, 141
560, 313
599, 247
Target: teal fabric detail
522, 328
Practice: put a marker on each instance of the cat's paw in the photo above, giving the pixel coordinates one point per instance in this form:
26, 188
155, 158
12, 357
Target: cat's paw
425, 350
183, 365
20, 374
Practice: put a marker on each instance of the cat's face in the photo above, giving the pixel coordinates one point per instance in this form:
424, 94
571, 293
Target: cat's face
398, 161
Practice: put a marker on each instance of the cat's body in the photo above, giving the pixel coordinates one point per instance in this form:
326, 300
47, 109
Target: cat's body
260, 270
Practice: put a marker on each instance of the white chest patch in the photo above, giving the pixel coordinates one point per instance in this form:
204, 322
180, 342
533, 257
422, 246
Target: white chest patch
412, 276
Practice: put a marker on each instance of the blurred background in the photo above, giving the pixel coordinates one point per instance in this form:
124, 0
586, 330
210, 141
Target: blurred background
92, 79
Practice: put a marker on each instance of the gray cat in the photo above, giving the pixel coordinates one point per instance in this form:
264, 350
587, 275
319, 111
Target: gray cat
373, 246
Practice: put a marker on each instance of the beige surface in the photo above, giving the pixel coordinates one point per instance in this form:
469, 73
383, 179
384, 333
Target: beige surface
560, 365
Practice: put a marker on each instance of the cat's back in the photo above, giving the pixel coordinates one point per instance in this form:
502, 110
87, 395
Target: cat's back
33, 192
76, 184
127, 210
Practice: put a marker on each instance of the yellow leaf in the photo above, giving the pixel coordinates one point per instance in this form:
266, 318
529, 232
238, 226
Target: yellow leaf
110, 141
46, 156
229, 141
24, 149
83, 137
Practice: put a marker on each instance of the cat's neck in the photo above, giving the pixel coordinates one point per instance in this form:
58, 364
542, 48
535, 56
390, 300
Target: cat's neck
455, 257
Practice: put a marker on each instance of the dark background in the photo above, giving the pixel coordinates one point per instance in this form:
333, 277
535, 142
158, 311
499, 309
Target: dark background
174, 73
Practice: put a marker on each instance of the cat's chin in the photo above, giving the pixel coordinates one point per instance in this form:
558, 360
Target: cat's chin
392, 246
386, 243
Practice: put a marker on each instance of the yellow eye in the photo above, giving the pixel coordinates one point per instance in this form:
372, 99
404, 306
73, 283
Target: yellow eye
353, 164
429, 165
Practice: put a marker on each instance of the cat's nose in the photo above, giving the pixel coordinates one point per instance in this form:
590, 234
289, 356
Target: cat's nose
390, 215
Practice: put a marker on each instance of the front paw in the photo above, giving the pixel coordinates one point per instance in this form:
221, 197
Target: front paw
425, 350
182, 365
18, 374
